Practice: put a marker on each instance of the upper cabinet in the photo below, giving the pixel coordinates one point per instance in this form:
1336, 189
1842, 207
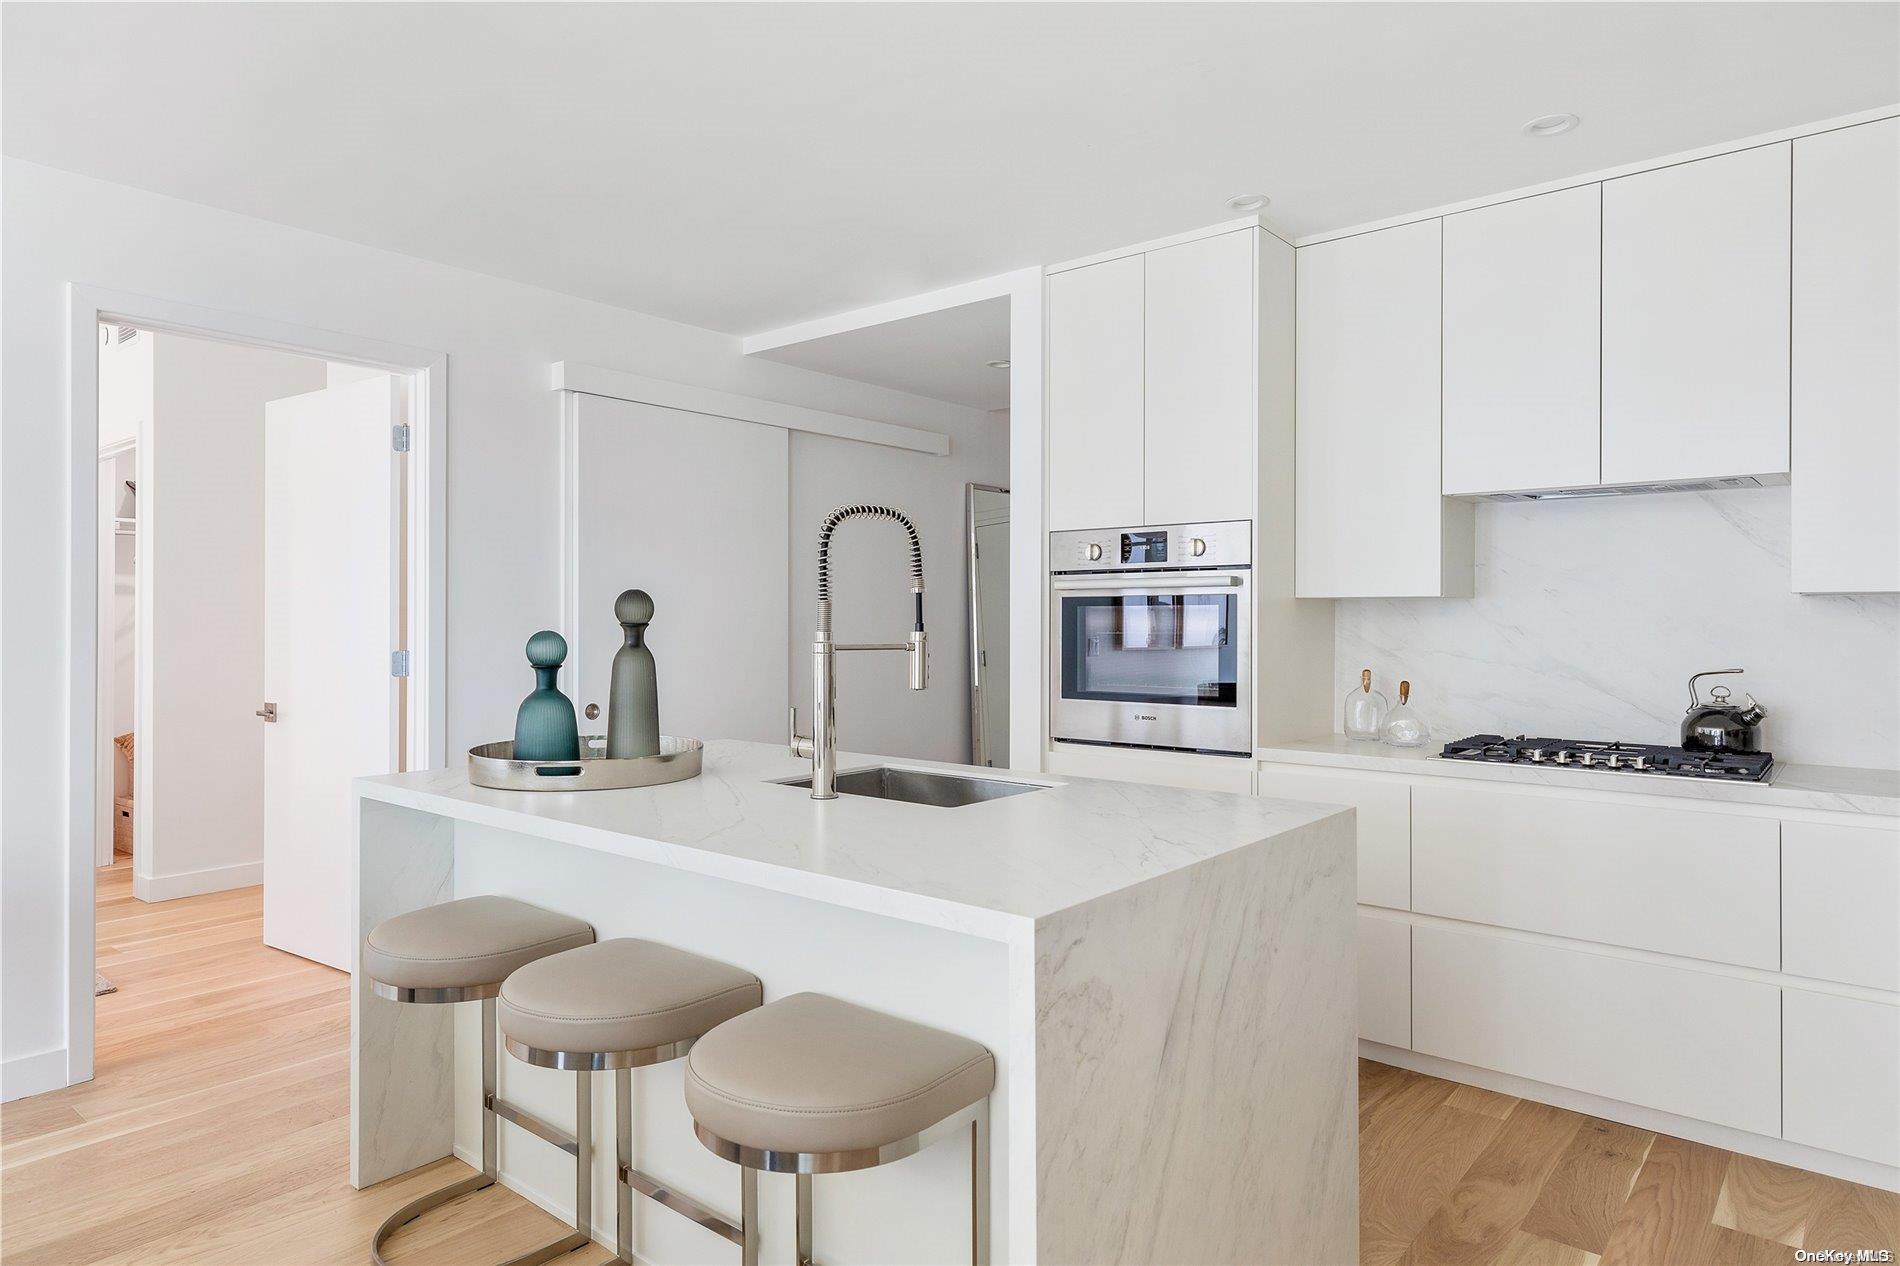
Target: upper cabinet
1695, 319
1522, 290
1095, 383
1371, 522
1846, 518
1198, 455
1153, 386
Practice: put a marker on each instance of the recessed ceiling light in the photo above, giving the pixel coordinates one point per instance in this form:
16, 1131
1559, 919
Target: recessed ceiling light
997, 364
1551, 125
1249, 201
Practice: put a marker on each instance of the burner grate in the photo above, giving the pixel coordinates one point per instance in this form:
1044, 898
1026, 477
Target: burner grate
1627, 758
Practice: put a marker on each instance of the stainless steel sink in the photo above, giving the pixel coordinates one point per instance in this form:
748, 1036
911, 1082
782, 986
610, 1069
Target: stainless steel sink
914, 786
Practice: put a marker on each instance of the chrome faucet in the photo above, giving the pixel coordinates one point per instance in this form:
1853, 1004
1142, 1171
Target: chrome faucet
822, 746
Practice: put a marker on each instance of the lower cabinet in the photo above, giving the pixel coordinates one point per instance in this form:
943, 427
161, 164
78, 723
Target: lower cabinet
1385, 825
1385, 980
1840, 1058
1159, 769
1697, 1044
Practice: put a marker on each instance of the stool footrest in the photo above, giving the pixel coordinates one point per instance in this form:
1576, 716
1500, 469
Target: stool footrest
419, 1206
658, 1192
532, 1124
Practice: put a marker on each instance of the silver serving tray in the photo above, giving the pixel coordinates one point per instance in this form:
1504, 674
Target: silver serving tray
494, 765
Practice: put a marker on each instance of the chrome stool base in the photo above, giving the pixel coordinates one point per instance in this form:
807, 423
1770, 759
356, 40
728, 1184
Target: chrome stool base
495, 1109
629, 1181
973, 1121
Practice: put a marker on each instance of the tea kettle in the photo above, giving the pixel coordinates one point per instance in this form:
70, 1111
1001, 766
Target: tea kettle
1719, 725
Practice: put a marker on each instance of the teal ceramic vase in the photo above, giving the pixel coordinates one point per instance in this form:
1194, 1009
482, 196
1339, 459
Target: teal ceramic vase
633, 698
544, 727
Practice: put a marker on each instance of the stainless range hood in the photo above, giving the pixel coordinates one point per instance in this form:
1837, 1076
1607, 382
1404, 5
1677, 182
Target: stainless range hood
1628, 490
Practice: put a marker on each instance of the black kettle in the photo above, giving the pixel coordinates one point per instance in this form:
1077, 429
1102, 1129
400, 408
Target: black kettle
1719, 725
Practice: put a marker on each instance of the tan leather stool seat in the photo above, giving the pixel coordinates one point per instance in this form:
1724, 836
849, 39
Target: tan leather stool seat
812, 1073
621, 995
467, 943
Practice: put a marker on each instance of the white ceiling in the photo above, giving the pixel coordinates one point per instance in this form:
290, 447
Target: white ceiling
744, 166
943, 354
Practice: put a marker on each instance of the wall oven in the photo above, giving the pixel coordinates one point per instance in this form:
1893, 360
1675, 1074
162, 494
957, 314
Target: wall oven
1151, 641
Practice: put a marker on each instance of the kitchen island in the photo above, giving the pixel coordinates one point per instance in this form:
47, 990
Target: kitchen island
1166, 979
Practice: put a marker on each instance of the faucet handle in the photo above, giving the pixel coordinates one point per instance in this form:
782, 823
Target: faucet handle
798, 744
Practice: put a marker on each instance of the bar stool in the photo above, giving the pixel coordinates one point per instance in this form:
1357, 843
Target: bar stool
814, 1085
461, 951
621, 1005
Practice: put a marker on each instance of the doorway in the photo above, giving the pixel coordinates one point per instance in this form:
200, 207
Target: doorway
267, 558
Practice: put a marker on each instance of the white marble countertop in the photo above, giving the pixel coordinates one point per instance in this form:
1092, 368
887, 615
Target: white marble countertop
1828, 787
991, 868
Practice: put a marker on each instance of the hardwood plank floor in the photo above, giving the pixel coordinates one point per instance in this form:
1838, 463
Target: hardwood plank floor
216, 1134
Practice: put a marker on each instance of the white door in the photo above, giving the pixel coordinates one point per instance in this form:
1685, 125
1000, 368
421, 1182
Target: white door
692, 509
331, 616
1523, 285
1200, 352
1695, 319
1096, 395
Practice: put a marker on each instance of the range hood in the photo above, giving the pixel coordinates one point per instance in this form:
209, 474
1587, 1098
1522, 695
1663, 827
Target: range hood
1629, 490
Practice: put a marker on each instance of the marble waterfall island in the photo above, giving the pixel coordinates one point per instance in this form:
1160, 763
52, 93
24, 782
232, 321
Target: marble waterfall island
1165, 977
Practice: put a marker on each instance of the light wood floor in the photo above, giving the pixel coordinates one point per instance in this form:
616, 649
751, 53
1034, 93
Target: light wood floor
216, 1133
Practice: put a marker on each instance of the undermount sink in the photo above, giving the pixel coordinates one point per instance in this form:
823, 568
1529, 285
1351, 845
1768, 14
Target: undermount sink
914, 786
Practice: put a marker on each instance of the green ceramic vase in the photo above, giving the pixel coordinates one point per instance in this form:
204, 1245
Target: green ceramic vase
544, 727
633, 698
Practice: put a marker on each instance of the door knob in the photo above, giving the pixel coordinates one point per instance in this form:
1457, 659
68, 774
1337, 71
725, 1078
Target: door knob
268, 712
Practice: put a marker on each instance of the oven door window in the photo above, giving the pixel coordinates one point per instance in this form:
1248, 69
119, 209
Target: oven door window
1151, 648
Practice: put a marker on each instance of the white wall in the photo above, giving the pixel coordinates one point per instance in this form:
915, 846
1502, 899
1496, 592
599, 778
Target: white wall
204, 566
503, 458
125, 385
870, 583
124, 625
1589, 617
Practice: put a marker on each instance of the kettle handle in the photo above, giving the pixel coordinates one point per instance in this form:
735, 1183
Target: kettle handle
1695, 699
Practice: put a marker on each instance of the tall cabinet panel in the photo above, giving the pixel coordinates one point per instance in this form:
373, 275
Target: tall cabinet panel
1371, 522
1695, 319
1846, 424
1095, 384
1201, 354
1522, 303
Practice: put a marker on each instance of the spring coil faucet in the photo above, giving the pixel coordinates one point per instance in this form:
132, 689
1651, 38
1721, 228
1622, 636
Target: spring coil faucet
822, 746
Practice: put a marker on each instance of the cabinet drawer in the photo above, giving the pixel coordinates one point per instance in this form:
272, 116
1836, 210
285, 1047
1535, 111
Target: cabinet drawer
1841, 1093
1385, 825
1677, 881
1385, 980
1840, 903
1158, 769
1700, 1045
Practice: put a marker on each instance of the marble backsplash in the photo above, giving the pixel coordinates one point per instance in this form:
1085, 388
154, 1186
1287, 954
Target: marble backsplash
1590, 615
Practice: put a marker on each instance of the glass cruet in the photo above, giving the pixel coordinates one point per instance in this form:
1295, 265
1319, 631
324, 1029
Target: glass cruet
1405, 727
1365, 710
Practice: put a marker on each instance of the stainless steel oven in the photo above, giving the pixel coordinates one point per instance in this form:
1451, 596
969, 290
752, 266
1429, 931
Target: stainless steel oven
1151, 637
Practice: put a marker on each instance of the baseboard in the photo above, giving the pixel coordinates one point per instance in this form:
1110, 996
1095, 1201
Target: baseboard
25, 1075
195, 883
1781, 1151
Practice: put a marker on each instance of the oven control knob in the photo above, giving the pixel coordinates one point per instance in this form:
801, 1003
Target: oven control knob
1197, 547
1095, 553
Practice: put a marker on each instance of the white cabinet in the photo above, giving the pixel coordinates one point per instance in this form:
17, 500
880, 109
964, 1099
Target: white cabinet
1840, 903
1522, 304
1370, 518
1159, 769
1702, 1045
1677, 881
1198, 450
1095, 380
1839, 1057
1846, 421
1384, 813
1385, 980
1695, 319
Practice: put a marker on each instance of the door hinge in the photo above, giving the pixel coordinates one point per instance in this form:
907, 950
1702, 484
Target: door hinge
399, 437
399, 663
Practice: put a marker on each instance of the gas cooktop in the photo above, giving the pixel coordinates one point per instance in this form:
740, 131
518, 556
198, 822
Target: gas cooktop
1625, 758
